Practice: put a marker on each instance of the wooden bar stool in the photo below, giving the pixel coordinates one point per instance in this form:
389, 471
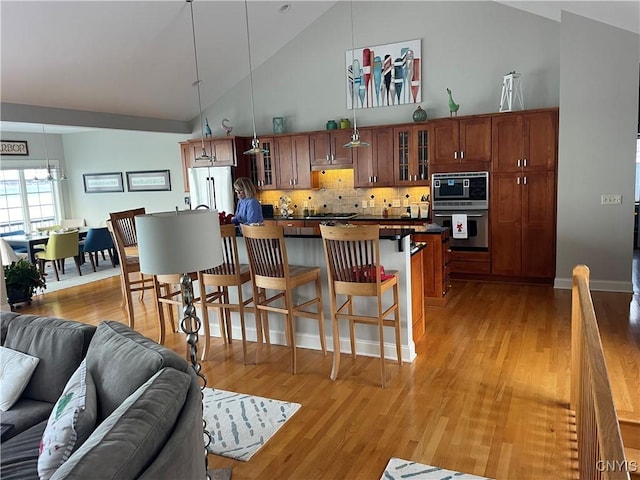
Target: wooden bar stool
353, 260
270, 270
231, 273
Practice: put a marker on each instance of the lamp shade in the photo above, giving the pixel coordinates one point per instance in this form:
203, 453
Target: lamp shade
178, 242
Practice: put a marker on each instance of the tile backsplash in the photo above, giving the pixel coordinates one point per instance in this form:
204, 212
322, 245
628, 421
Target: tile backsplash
337, 194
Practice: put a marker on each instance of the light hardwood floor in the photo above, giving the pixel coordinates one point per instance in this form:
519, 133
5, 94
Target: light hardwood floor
488, 393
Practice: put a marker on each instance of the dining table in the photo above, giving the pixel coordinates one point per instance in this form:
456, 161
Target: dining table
31, 240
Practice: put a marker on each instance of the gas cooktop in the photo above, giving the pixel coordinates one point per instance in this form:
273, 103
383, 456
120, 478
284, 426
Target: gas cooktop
332, 215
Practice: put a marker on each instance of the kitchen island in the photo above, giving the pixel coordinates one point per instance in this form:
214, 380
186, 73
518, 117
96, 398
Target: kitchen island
304, 247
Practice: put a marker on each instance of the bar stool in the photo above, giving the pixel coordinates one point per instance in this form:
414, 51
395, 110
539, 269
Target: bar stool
353, 259
231, 273
270, 270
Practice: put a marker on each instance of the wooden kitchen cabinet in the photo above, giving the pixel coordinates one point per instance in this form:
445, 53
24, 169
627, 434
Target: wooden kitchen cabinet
263, 169
373, 165
462, 144
291, 153
417, 296
436, 269
326, 149
411, 155
523, 195
224, 152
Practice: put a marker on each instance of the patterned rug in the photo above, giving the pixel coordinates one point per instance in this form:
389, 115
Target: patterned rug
399, 469
241, 424
71, 278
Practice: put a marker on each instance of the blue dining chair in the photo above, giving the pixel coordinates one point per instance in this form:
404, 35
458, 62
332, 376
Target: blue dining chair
98, 240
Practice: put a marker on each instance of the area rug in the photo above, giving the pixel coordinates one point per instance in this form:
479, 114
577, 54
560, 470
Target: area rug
398, 468
70, 278
241, 424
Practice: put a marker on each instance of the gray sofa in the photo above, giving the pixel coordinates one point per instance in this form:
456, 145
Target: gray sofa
148, 402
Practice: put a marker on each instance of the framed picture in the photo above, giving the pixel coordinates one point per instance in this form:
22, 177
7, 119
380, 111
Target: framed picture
384, 75
14, 147
149, 181
103, 182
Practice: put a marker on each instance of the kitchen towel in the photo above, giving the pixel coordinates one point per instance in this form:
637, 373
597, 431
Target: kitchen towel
459, 225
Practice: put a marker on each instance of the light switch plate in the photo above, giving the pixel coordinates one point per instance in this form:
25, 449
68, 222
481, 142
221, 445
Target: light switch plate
405, 202
611, 199
372, 203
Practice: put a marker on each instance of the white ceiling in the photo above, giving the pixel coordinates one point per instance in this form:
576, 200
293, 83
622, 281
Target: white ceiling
136, 57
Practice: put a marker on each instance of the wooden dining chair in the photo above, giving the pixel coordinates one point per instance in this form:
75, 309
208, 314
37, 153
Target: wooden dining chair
123, 229
353, 267
59, 247
270, 270
230, 273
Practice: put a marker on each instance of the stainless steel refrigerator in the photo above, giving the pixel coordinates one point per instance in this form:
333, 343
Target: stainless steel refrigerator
213, 187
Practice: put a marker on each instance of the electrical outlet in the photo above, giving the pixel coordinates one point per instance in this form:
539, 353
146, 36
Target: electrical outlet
611, 199
372, 203
364, 202
405, 202
395, 202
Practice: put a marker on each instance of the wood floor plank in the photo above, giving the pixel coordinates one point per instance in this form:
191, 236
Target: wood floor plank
488, 393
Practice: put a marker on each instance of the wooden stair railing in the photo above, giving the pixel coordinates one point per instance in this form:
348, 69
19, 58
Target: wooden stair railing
601, 453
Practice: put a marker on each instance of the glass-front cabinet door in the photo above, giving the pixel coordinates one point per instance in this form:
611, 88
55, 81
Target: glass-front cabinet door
262, 166
411, 155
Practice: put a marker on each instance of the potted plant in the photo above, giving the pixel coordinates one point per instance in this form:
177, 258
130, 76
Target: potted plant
22, 278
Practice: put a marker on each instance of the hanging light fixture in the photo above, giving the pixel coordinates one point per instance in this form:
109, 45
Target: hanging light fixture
355, 136
255, 143
203, 157
52, 172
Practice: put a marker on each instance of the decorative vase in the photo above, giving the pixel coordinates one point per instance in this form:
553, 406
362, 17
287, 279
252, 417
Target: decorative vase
332, 125
345, 123
419, 115
278, 125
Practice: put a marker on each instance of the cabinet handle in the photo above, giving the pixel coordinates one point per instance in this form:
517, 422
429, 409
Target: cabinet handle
524, 180
518, 163
525, 162
518, 181
455, 155
462, 155
375, 179
327, 157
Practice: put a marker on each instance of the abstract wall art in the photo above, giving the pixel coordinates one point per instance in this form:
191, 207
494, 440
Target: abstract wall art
384, 75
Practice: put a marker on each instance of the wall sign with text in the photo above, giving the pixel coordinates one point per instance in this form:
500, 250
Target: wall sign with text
14, 147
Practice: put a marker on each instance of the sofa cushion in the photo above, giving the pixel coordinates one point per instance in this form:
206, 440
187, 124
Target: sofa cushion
16, 369
5, 318
114, 349
125, 443
20, 454
24, 414
70, 423
59, 344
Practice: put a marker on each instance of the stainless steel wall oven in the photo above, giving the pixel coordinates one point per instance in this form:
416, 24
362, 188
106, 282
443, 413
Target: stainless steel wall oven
463, 193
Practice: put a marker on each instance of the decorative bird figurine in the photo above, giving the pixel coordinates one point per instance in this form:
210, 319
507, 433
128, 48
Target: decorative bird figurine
453, 106
227, 128
207, 128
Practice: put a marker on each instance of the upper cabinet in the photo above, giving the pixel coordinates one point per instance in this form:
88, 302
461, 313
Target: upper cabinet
224, 152
291, 153
263, 169
326, 149
411, 155
461, 144
525, 141
373, 165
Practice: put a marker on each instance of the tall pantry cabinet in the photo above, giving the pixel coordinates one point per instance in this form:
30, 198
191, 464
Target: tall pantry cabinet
523, 194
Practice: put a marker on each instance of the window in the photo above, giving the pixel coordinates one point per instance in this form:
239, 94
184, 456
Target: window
26, 202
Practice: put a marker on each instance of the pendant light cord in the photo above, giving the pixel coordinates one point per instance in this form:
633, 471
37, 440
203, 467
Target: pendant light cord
253, 111
198, 81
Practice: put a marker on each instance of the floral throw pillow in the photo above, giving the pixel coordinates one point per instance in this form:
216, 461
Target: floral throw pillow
71, 422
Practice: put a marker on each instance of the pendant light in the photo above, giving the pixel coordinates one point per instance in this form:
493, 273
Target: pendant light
52, 172
355, 136
255, 143
203, 157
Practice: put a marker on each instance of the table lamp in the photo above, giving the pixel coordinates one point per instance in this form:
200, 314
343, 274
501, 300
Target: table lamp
181, 242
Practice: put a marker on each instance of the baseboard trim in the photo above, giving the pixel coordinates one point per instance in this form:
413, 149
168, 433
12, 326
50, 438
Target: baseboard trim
596, 285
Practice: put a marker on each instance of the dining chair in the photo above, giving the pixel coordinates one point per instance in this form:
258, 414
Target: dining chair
123, 230
73, 223
59, 247
270, 270
48, 228
98, 240
353, 267
230, 273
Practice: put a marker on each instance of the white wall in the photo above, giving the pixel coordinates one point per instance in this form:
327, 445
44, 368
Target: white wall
120, 151
597, 150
